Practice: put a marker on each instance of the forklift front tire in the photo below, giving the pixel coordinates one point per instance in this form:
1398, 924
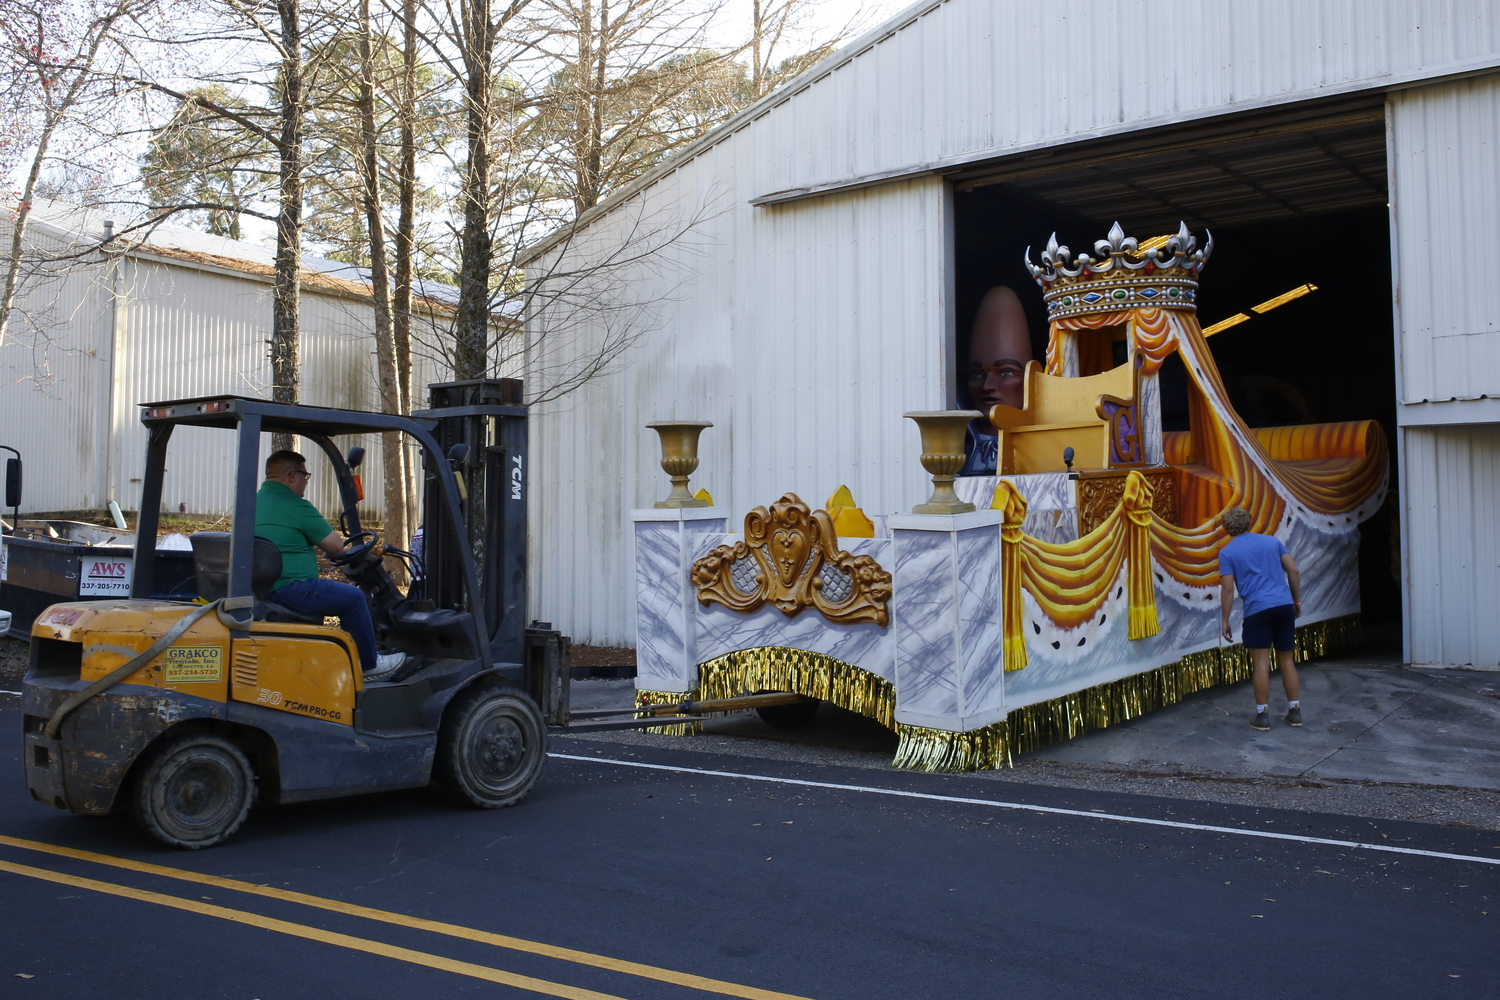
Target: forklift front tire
194, 791
491, 747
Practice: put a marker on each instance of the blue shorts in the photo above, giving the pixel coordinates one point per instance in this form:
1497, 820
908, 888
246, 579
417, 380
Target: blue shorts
1273, 626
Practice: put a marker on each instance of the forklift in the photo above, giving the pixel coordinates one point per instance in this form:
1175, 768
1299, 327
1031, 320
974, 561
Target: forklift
188, 713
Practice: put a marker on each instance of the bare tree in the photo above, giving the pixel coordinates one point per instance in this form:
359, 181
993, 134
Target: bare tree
393, 450
626, 72
61, 62
774, 24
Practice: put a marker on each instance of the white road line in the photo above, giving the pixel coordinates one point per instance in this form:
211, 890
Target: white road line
960, 800
16, 693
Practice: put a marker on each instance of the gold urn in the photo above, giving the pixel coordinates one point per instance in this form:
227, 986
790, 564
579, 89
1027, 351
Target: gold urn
679, 458
943, 457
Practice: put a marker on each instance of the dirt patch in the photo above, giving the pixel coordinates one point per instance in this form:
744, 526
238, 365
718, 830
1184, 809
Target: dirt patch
603, 656
13, 655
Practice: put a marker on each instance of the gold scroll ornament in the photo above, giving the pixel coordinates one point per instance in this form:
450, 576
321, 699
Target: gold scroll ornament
790, 558
1100, 492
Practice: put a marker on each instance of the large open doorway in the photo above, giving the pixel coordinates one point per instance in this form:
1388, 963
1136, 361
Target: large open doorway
1289, 204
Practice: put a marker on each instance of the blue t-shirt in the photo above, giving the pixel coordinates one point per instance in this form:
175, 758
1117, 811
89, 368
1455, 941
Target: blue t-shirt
1255, 563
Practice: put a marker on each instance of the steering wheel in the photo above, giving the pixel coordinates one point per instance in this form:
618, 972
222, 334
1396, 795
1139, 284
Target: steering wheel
355, 546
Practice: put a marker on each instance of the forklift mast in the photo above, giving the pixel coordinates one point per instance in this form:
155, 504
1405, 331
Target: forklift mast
486, 417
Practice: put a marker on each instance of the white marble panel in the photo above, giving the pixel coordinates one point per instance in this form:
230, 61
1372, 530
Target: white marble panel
866, 645
666, 657
1110, 654
980, 651
661, 625
1051, 502
1150, 416
1329, 564
1042, 490
924, 605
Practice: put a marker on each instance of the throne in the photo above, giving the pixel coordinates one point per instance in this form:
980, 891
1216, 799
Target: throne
1098, 416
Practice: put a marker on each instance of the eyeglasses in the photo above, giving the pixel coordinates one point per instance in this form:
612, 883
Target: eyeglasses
299, 472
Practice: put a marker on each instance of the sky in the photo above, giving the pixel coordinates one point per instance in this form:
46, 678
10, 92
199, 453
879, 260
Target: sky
822, 18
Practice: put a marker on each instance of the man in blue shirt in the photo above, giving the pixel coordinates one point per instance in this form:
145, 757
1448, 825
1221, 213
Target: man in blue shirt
1266, 576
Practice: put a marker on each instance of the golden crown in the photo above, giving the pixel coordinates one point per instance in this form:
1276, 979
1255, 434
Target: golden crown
1122, 276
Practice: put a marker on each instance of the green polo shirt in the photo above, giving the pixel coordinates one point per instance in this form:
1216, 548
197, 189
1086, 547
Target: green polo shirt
295, 526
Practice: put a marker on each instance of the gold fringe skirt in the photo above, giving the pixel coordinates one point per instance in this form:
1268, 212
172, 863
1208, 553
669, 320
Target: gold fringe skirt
646, 699
777, 668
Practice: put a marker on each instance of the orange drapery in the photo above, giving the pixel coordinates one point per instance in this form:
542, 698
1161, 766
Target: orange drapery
1327, 471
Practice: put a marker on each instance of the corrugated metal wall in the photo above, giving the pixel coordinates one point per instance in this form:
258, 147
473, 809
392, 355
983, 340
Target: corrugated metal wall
55, 385
1445, 148
1445, 169
803, 334
169, 332
804, 330
966, 77
1451, 480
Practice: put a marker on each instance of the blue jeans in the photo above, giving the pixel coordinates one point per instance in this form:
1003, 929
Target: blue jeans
340, 600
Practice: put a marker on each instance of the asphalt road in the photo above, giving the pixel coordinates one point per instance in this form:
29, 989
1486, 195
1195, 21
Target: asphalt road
816, 892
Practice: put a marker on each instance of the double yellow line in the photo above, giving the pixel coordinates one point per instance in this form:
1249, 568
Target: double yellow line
369, 913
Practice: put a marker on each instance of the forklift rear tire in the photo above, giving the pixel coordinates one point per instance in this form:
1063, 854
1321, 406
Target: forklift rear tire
793, 716
194, 791
491, 747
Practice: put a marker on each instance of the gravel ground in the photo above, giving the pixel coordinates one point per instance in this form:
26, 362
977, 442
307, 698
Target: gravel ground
1436, 804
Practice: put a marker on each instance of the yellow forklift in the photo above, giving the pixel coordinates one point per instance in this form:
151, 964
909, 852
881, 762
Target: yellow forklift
186, 713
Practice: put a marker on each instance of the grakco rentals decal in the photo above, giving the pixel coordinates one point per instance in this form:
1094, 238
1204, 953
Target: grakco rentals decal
107, 576
193, 664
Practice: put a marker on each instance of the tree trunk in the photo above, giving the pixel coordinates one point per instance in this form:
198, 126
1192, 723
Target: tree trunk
285, 361
596, 106
406, 228
584, 107
471, 351
54, 119
18, 233
393, 449
758, 77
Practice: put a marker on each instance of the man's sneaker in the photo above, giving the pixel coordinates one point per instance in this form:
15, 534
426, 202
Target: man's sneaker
385, 665
1294, 716
1262, 720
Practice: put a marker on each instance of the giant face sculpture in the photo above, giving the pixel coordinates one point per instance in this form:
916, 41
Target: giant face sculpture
999, 347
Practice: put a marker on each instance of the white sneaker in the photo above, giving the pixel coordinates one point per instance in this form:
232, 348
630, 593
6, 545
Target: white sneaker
385, 665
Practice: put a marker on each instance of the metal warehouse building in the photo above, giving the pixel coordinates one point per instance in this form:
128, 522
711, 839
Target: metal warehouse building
174, 314
822, 255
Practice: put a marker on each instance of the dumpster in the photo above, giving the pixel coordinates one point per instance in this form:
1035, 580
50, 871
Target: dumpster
44, 562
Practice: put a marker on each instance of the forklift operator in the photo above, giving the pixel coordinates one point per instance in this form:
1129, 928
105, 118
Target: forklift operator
294, 525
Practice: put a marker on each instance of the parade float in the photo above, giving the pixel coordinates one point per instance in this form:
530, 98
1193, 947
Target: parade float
1075, 588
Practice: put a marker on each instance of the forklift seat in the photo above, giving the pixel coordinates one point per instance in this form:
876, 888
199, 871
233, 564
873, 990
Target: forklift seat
211, 561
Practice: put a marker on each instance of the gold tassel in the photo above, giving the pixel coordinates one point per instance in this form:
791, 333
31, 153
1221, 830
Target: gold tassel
646, 699
1012, 504
800, 671
923, 749
1137, 504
